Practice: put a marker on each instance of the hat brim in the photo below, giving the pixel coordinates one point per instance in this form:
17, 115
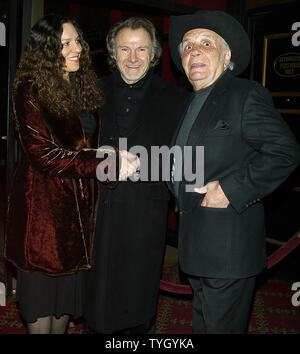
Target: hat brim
220, 22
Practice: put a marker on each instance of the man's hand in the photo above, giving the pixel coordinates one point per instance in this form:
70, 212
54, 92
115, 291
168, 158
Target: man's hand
129, 165
215, 197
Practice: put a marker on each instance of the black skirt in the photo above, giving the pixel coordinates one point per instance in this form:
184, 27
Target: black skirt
40, 295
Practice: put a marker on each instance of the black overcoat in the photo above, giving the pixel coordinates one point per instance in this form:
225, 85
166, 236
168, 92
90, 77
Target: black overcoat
251, 151
123, 285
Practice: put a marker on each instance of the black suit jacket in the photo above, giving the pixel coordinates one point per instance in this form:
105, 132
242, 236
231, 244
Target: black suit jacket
251, 151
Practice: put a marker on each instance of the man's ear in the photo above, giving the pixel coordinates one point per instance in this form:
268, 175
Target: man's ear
227, 57
113, 54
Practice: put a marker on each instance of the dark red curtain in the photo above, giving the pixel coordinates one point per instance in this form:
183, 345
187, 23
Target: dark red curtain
75, 11
206, 4
115, 16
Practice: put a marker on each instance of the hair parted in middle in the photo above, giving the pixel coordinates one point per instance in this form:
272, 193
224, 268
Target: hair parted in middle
133, 23
42, 66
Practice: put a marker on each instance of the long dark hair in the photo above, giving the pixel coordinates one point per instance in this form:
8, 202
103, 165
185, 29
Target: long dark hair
42, 64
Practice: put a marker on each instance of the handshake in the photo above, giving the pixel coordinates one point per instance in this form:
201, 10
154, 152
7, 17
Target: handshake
130, 164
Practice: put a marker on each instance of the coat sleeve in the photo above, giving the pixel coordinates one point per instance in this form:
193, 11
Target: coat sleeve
276, 152
45, 155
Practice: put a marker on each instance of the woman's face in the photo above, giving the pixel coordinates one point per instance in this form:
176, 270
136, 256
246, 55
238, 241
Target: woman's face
71, 47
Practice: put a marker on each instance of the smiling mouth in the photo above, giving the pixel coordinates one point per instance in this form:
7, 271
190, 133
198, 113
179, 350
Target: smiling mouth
132, 67
74, 59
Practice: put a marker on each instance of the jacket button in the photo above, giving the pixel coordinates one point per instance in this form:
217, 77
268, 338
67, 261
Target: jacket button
181, 212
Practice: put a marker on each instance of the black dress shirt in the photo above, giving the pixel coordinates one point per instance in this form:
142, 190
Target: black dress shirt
128, 98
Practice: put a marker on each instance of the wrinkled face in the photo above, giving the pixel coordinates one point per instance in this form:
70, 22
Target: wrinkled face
71, 47
133, 53
203, 57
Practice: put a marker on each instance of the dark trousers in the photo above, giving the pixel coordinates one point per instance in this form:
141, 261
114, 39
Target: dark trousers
221, 305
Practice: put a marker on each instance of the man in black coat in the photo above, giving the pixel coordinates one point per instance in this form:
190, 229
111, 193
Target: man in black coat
248, 152
123, 285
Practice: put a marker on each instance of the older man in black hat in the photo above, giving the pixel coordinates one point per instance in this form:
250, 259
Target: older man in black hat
248, 152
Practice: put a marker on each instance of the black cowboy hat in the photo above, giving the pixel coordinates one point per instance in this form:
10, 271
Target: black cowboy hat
218, 21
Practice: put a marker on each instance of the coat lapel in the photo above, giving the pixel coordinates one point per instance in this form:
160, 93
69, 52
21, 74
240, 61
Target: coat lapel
108, 117
67, 131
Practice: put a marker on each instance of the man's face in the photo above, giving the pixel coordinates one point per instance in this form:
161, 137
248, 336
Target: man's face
202, 57
133, 53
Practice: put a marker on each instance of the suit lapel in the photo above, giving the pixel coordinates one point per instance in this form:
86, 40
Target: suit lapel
173, 142
208, 114
207, 118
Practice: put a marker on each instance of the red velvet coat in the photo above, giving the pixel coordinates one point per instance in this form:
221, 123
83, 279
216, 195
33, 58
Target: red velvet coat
51, 208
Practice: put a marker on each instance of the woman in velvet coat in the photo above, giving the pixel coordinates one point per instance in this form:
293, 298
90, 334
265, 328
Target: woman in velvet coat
49, 234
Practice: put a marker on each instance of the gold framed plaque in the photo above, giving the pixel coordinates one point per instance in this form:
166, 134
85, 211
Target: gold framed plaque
281, 72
